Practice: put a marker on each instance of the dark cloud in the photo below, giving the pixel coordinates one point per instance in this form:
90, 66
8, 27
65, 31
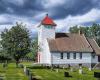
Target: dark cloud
29, 7
33, 7
73, 7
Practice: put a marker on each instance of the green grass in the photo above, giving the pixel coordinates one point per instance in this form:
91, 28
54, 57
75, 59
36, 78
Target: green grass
48, 74
13, 73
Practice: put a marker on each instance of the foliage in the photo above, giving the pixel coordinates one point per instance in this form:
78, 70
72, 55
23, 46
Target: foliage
34, 49
74, 29
16, 42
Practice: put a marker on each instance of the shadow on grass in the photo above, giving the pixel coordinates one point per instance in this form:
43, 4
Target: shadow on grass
37, 67
2, 71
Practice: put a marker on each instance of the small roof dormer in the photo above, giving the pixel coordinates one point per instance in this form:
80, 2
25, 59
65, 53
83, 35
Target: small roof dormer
48, 21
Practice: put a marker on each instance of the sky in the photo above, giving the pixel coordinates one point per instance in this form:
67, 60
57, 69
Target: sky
65, 13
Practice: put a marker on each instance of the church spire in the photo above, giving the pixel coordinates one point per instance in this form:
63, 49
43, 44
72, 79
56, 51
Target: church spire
48, 21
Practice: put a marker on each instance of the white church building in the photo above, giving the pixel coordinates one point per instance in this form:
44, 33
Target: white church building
65, 48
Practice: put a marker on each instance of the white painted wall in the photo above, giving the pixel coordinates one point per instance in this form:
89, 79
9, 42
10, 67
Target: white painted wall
48, 33
43, 34
94, 60
47, 53
86, 58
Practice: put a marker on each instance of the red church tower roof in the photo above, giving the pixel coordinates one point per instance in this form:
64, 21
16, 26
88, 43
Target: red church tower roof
48, 21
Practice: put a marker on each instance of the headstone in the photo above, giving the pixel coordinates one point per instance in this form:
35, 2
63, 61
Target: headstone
4, 65
66, 74
27, 72
80, 71
30, 77
71, 69
24, 69
57, 70
90, 69
97, 75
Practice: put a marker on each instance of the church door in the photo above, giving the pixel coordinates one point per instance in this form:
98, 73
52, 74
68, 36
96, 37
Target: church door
98, 58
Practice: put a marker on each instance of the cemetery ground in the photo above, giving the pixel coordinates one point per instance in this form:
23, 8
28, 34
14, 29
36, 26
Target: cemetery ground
42, 73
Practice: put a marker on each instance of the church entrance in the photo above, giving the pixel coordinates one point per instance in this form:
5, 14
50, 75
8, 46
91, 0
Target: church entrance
98, 58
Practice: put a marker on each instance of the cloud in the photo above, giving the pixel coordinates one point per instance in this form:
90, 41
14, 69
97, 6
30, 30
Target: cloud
65, 13
16, 2
21, 7
88, 18
57, 9
73, 7
4, 20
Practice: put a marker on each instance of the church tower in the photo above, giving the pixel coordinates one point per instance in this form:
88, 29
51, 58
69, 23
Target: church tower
46, 30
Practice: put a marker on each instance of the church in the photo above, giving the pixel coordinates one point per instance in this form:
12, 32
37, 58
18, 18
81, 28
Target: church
65, 48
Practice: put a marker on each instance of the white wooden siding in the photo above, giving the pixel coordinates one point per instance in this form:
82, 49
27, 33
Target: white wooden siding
86, 58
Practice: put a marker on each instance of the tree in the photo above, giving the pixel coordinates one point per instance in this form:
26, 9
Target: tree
95, 32
3, 55
34, 49
74, 29
16, 42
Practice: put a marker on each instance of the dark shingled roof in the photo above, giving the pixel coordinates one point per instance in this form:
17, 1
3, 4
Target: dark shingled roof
66, 42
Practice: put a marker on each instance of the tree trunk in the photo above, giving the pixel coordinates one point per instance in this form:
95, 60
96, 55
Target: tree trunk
17, 62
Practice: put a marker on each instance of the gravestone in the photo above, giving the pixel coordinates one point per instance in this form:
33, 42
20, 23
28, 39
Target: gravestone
66, 74
27, 72
4, 65
90, 68
80, 70
30, 77
71, 69
24, 69
57, 70
97, 75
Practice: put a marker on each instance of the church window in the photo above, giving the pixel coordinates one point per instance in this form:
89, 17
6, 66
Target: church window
61, 55
49, 27
68, 55
74, 55
80, 55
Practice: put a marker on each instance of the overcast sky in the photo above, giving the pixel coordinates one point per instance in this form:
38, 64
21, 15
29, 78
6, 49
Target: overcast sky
65, 13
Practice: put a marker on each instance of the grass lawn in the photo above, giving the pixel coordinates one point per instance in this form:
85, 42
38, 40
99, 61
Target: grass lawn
13, 73
48, 74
